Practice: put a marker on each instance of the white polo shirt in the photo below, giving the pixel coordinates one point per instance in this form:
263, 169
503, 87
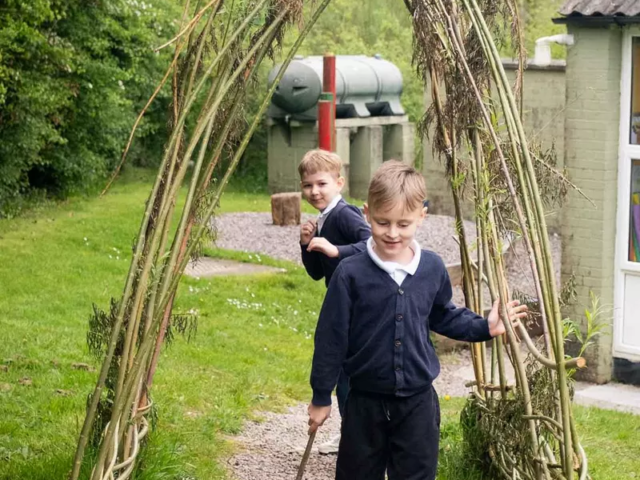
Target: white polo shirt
323, 214
397, 271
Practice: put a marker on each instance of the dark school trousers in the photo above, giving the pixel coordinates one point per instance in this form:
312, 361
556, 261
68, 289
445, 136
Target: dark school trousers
399, 435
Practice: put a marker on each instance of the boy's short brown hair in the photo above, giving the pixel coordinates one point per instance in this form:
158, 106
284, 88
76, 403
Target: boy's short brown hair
315, 161
396, 182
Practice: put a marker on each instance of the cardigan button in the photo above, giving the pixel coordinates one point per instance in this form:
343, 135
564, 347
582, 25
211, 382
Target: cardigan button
399, 317
398, 368
401, 291
398, 343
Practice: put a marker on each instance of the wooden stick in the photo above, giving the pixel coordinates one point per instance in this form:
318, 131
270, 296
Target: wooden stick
305, 457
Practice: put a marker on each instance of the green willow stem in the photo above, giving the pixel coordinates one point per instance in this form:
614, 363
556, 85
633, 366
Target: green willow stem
203, 182
239, 152
113, 340
532, 243
190, 100
501, 287
160, 185
557, 317
212, 111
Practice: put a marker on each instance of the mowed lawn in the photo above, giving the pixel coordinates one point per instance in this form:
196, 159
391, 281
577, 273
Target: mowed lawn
252, 349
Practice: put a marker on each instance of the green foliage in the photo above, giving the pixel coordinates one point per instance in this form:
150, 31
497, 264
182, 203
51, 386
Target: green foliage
73, 76
537, 15
597, 320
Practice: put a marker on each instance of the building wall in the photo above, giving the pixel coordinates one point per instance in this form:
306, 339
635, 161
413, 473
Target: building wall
592, 129
544, 107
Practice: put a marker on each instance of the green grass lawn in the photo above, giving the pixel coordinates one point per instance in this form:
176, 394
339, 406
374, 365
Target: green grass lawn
252, 349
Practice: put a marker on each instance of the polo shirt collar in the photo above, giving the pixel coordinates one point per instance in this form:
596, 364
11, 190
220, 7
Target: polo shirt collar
331, 206
391, 267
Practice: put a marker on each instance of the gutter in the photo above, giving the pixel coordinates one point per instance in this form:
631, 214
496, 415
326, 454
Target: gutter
600, 21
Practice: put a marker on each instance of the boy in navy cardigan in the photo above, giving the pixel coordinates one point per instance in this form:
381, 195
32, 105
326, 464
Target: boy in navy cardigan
375, 321
339, 232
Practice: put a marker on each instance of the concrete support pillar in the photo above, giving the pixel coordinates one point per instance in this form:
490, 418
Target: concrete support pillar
399, 142
365, 158
343, 149
287, 146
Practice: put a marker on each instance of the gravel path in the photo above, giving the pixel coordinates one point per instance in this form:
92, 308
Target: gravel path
254, 232
271, 449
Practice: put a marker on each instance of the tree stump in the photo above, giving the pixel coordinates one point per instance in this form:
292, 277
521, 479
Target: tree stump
285, 208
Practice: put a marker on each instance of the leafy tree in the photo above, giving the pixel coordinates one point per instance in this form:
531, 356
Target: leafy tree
73, 75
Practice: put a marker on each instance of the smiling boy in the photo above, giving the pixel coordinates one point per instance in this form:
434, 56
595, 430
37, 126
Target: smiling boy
339, 232
375, 323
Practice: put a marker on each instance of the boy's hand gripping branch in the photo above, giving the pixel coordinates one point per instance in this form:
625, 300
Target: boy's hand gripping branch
516, 312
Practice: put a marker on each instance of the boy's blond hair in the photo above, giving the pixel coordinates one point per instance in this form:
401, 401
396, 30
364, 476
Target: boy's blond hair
396, 182
315, 161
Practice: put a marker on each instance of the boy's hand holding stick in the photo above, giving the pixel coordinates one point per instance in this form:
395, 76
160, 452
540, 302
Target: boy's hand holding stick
317, 417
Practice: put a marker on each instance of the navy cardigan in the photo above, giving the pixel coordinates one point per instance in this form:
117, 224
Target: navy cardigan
379, 331
344, 227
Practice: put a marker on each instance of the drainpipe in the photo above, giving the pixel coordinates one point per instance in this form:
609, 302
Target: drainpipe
543, 47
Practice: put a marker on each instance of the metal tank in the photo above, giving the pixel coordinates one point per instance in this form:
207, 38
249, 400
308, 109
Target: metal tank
365, 86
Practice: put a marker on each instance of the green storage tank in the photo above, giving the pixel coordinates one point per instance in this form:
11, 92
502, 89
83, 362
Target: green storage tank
365, 86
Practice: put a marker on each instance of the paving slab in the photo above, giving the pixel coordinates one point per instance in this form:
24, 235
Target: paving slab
209, 267
611, 396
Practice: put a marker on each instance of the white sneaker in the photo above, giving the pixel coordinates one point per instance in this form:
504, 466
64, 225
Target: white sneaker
330, 447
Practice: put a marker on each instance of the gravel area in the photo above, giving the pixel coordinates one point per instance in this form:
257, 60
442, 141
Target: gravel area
254, 232
272, 448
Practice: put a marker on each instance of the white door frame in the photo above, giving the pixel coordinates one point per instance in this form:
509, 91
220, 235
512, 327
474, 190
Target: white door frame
627, 152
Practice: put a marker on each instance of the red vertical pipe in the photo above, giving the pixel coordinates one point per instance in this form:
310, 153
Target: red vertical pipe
324, 121
329, 86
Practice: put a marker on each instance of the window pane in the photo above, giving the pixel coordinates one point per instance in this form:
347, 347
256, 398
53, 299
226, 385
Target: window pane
634, 214
635, 93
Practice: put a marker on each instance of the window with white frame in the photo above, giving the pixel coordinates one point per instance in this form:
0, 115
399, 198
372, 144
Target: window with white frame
634, 139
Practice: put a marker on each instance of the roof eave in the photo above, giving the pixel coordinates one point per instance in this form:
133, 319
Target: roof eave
599, 21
